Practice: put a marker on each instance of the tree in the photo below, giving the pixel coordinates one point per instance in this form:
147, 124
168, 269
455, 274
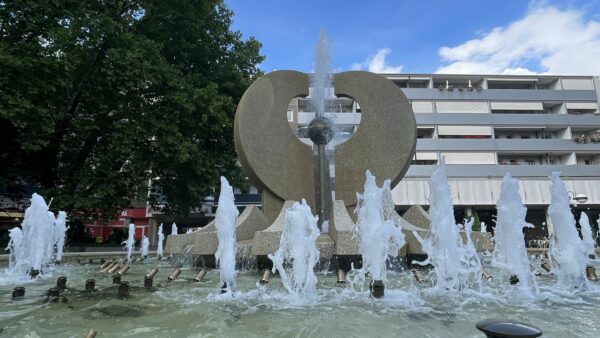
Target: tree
99, 97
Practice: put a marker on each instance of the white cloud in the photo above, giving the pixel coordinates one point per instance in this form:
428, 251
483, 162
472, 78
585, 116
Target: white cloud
376, 63
546, 40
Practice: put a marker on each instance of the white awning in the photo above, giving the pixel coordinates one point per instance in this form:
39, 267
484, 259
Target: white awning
465, 130
511, 79
487, 192
421, 155
422, 106
582, 105
517, 106
578, 84
461, 107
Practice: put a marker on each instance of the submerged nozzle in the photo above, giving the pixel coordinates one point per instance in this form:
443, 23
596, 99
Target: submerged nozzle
123, 289
33, 273
61, 282
123, 270
18, 292
174, 274
114, 268
486, 275
377, 289
90, 284
417, 274
91, 334
200, 276
105, 264
266, 275
590, 272
513, 280
53, 294
341, 277
109, 266
546, 266
116, 279
152, 272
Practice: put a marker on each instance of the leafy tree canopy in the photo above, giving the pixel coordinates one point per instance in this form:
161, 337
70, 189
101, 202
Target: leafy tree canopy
99, 97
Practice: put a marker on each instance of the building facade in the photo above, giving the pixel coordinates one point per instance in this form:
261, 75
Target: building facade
486, 125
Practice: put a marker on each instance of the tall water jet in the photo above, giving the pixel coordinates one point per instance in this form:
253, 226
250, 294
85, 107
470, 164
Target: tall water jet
320, 129
456, 265
60, 230
298, 249
37, 232
145, 245
378, 236
586, 233
567, 254
510, 253
161, 239
49, 236
14, 245
225, 220
173, 229
130, 240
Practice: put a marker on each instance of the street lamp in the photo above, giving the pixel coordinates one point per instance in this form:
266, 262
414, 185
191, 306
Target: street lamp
577, 198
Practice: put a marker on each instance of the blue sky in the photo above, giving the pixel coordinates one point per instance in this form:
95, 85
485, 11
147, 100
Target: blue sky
489, 36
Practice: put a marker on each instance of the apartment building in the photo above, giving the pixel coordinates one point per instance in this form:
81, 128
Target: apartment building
486, 125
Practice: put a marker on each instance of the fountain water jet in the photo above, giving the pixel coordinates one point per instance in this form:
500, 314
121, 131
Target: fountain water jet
14, 245
510, 253
173, 229
567, 252
378, 236
298, 248
145, 245
161, 239
455, 264
60, 230
130, 241
586, 233
225, 220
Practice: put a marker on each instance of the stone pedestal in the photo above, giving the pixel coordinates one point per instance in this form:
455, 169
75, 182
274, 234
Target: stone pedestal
248, 223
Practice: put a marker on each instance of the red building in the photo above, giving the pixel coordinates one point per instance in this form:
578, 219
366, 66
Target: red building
137, 216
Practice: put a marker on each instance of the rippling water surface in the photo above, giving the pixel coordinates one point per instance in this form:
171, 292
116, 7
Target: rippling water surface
186, 309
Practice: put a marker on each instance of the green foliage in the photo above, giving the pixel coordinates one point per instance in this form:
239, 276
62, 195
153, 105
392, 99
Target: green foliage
98, 97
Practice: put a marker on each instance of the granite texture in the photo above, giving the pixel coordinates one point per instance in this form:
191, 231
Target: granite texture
281, 166
341, 231
274, 159
249, 222
385, 140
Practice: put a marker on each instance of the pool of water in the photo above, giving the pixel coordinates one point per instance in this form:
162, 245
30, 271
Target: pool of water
186, 309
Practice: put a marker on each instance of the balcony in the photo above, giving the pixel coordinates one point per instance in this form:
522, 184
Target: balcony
500, 94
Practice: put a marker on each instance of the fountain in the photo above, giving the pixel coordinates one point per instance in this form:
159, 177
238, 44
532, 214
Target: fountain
161, 239
510, 252
225, 220
284, 170
297, 249
60, 231
129, 243
145, 245
456, 264
14, 245
586, 233
567, 252
378, 236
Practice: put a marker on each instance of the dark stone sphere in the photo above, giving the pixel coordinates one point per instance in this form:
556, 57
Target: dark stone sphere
320, 130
